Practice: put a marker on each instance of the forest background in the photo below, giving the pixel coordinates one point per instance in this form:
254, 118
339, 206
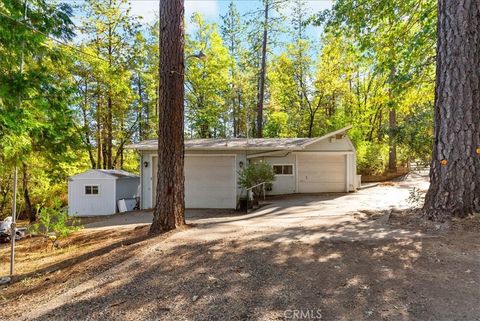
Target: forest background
79, 79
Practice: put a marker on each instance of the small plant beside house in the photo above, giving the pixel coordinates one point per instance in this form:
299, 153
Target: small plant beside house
54, 223
253, 175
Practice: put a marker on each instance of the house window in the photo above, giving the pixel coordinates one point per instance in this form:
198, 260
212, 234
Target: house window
283, 169
91, 190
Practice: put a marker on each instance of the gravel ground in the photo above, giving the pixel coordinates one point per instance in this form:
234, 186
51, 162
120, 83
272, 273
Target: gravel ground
300, 258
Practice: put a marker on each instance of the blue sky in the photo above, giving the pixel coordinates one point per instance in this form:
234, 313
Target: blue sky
211, 9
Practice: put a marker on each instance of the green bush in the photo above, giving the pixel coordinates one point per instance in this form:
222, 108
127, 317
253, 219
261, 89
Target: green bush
415, 198
255, 174
415, 134
372, 158
54, 223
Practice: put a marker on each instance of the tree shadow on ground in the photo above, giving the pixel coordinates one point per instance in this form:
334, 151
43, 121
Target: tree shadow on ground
347, 273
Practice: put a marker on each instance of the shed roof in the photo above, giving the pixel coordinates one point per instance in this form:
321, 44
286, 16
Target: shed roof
114, 173
242, 143
117, 173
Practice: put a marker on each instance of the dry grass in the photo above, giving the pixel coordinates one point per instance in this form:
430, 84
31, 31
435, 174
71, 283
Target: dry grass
35, 258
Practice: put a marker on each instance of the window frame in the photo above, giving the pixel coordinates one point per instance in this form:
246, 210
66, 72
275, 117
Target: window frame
91, 190
283, 165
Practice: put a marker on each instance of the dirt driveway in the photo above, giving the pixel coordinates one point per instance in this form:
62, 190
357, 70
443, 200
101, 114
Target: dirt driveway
282, 212
300, 258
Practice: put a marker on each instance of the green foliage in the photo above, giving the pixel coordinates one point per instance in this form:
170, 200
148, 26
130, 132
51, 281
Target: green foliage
68, 111
36, 92
35, 89
207, 81
415, 134
415, 197
54, 222
115, 86
277, 124
254, 174
372, 158
387, 54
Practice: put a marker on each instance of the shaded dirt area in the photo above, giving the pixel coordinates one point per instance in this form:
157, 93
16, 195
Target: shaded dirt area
38, 266
435, 277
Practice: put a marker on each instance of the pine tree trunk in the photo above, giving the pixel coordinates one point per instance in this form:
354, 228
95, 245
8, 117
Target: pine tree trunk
104, 151
263, 74
86, 125
392, 145
109, 142
310, 124
109, 136
455, 169
99, 132
240, 120
140, 109
147, 127
26, 195
169, 210
392, 121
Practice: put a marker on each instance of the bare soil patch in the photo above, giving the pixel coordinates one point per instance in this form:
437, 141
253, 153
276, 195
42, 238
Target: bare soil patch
39, 267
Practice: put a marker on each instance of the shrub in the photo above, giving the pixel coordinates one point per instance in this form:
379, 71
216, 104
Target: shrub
54, 223
415, 198
255, 174
372, 158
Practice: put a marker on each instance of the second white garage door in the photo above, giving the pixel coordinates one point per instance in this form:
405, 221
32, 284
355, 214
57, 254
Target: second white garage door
321, 173
210, 181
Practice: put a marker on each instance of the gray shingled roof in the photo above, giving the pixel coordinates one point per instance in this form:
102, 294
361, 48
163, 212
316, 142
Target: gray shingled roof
117, 173
232, 143
241, 143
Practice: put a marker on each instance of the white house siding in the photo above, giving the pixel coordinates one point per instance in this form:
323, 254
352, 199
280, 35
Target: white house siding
283, 184
341, 146
332, 144
89, 205
336, 173
146, 180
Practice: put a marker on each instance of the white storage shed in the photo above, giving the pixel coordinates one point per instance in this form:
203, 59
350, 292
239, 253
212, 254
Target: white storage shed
97, 191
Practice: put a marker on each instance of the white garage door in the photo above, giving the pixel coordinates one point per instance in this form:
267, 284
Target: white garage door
210, 182
321, 173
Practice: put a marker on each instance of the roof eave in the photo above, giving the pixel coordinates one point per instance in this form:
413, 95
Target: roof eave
151, 148
339, 131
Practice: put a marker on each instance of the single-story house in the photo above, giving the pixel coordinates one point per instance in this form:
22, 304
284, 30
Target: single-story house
302, 165
97, 191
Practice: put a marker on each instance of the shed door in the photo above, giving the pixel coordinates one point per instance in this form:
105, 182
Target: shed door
319, 173
209, 181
